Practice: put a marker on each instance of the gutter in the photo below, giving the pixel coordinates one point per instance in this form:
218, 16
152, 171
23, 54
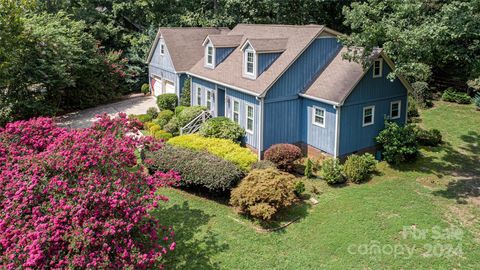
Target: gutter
321, 100
260, 123
336, 150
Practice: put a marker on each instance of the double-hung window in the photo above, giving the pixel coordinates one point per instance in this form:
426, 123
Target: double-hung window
210, 55
395, 109
250, 62
368, 115
377, 68
318, 116
236, 112
209, 100
162, 48
249, 118
199, 96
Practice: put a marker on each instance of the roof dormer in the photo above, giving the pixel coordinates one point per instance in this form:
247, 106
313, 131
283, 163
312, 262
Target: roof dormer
218, 47
259, 54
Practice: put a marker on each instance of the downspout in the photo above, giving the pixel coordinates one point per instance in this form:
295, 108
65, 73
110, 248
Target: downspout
337, 131
260, 132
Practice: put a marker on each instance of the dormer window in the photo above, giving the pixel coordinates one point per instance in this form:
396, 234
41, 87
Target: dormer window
209, 55
249, 62
377, 68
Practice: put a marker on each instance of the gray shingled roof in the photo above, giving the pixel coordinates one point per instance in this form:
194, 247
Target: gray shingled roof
229, 41
298, 37
268, 44
338, 78
185, 44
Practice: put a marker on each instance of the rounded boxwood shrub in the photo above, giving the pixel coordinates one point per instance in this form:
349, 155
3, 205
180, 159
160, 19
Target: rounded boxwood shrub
197, 168
226, 149
162, 134
164, 117
223, 128
283, 155
145, 89
179, 109
262, 193
431, 137
153, 112
398, 142
167, 101
359, 168
332, 171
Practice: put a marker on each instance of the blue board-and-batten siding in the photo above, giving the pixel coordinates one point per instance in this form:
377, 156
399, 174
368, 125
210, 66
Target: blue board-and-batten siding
265, 60
224, 109
322, 138
305, 69
221, 54
378, 92
284, 114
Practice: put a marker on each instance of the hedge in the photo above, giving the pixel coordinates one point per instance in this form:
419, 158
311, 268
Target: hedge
222, 148
167, 102
195, 167
222, 128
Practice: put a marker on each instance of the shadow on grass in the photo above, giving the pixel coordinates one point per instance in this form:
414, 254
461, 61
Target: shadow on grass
461, 162
294, 213
194, 247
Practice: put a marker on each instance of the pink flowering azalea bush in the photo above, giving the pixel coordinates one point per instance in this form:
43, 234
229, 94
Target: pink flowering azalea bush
78, 198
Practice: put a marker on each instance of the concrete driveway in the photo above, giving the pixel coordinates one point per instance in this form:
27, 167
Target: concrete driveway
85, 118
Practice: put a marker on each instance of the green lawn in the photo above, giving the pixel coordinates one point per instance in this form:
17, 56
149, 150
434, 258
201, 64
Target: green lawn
441, 189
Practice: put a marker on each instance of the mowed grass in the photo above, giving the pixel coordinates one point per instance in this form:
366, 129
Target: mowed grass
440, 190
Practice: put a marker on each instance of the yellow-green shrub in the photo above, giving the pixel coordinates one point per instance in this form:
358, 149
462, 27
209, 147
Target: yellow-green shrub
147, 125
162, 134
154, 128
223, 148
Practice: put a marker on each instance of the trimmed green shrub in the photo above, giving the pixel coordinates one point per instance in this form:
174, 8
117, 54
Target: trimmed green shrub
154, 128
451, 95
222, 128
399, 143
308, 168
167, 102
263, 193
263, 164
197, 169
164, 117
226, 149
185, 97
179, 109
299, 188
144, 118
359, 168
145, 89
332, 171
283, 155
183, 117
412, 108
162, 134
153, 112
432, 137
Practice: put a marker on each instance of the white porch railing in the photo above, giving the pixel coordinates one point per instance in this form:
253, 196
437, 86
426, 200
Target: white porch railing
194, 125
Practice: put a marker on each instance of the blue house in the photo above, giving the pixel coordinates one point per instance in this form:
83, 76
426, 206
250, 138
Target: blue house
290, 84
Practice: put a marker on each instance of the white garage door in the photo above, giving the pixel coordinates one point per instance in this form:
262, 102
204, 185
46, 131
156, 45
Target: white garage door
169, 87
157, 87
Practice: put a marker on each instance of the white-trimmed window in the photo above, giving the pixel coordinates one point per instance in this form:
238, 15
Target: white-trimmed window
249, 62
199, 96
249, 112
395, 109
318, 116
209, 99
162, 48
209, 55
377, 68
368, 115
236, 111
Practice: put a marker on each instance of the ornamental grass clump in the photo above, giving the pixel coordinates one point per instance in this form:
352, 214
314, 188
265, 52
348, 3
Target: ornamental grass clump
77, 199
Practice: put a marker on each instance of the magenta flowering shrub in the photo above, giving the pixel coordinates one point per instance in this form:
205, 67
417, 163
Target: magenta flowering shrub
78, 198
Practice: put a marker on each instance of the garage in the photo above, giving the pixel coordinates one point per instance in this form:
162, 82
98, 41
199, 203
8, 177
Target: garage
169, 87
157, 86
